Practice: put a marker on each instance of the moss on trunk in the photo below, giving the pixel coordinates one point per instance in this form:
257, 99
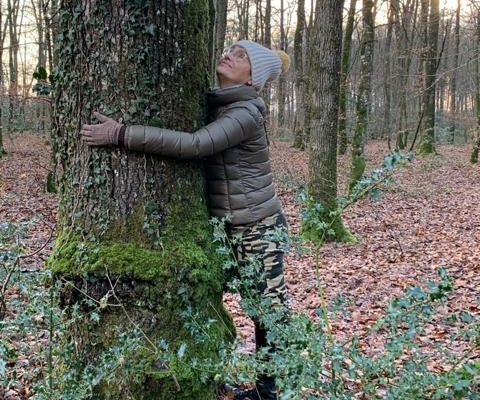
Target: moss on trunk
427, 145
325, 223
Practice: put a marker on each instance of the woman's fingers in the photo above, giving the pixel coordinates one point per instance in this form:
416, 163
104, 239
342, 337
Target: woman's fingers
101, 117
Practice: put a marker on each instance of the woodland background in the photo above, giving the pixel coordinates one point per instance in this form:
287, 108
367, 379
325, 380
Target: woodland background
408, 79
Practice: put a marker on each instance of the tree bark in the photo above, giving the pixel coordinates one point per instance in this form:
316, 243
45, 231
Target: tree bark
133, 228
363, 94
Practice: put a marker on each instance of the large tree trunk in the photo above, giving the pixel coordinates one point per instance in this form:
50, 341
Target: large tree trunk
133, 228
326, 65
363, 94
427, 146
347, 45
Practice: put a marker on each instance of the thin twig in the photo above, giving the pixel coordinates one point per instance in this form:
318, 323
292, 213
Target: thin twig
52, 231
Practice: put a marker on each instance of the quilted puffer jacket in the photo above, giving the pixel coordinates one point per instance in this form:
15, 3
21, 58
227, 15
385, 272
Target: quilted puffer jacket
235, 148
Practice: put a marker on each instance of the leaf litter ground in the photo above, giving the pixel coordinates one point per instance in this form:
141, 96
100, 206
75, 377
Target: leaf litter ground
429, 218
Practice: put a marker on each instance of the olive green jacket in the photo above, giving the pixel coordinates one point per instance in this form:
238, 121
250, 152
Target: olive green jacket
235, 148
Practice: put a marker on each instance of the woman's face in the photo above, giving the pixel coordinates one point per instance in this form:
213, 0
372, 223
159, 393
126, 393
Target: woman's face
234, 67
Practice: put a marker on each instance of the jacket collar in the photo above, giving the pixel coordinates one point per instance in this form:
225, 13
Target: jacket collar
221, 97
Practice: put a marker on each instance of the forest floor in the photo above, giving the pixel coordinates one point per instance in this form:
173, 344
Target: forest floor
427, 219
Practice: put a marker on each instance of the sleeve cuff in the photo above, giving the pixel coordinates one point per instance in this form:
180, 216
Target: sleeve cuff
121, 136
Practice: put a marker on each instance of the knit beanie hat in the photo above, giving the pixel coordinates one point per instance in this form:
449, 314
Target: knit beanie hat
266, 64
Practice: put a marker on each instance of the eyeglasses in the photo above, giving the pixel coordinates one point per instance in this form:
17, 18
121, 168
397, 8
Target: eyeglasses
236, 52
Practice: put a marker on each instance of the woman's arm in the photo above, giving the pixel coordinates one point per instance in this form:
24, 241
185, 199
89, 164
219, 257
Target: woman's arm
230, 129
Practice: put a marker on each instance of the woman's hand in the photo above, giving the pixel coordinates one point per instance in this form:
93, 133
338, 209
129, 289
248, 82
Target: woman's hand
105, 133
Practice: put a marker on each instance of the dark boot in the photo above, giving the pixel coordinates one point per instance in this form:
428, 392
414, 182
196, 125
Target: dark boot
246, 394
266, 388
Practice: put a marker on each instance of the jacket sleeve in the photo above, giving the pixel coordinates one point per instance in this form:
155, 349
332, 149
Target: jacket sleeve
234, 126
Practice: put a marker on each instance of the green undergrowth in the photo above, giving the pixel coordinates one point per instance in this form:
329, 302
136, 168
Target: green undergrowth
193, 359
323, 222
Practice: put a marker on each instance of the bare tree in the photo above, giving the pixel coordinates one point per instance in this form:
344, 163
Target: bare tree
387, 78
453, 81
12, 14
476, 147
363, 93
220, 28
299, 136
3, 32
326, 66
346, 50
405, 34
427, 146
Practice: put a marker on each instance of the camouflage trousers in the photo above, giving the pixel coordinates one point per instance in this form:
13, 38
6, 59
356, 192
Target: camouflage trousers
263, 245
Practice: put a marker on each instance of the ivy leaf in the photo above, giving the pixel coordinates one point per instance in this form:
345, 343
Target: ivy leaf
40, 73
3, 364
181, 350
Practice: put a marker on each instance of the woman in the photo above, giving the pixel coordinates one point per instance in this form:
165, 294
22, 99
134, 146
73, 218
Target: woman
239, 178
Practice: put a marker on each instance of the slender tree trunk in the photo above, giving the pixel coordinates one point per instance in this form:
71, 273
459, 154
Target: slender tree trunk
387, 128
281, 97
476, 147
346, 50
299, 137
220, 29
38, 11
2, 41
133, 228
268, 23
427, 146
363, 94
453, 83
12, 13
49, 12
309, 77
405, 28
326, 66
267, 91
